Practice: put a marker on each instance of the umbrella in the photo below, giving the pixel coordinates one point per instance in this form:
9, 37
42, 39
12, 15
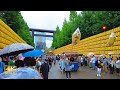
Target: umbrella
15, 48
50, 53
102, 55
20, 57
21, 73
110, 53
33, 53
90, 54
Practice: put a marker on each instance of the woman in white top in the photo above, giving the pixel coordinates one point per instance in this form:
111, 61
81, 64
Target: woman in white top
81, 61
93, 59
62, 64
67, 68
117, 64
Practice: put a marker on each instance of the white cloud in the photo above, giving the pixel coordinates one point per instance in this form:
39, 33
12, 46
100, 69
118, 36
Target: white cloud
45, 19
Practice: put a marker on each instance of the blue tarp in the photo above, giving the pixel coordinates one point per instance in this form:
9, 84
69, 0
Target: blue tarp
2, 67
33, 53
76, 66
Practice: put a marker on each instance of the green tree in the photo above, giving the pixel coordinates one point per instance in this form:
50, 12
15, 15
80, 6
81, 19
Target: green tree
1, 16
55, 42
68, 28
73, 15
64, 33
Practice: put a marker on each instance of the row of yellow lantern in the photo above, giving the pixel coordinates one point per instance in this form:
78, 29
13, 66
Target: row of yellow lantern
100, 49
97, 42
9, 30
116, 30
8, 36
92, 49
5, 31
7, 42
103, 35
2, 45
2, 35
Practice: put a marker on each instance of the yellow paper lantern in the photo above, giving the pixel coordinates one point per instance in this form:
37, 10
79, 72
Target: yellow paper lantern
76, 36
111, 39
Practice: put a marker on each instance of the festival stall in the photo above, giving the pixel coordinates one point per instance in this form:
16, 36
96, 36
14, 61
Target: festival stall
73, 60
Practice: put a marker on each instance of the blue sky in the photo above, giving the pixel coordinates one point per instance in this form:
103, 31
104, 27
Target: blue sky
45, 20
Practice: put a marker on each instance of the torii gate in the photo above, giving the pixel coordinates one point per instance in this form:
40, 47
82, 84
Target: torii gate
42, 30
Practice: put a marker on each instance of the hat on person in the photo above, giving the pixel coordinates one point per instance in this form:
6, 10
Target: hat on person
20, 57
46, 59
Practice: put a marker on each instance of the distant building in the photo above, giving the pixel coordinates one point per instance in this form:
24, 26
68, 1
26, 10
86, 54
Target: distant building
41, 45
40, 42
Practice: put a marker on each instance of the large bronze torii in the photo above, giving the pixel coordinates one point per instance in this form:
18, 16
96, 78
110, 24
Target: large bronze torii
42, 30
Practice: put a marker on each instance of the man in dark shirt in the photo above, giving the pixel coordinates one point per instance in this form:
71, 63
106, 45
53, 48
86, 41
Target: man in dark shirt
71, 59
44, 70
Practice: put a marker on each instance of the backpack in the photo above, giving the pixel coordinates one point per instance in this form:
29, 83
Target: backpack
96, 63
37, 65
11, 63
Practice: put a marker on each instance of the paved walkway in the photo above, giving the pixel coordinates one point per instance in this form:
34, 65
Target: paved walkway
82, 73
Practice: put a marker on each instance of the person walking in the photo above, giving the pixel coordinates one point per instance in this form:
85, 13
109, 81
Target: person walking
38, 64
67, 69
105, 64
85, 60
112, 66
54, 59
19, 63
11, 62
98, 65
44, 70
118, 66
50, 62
81, 61
90, 63
2, 66
110, 58
25, 70
62, 64
93, 59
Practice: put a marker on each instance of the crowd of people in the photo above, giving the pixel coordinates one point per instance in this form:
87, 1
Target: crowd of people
41, 66
23, 65
99, 63
102, 63
65, 64
20, 69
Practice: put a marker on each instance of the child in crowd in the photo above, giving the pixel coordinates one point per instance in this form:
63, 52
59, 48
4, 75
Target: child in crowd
99, 66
